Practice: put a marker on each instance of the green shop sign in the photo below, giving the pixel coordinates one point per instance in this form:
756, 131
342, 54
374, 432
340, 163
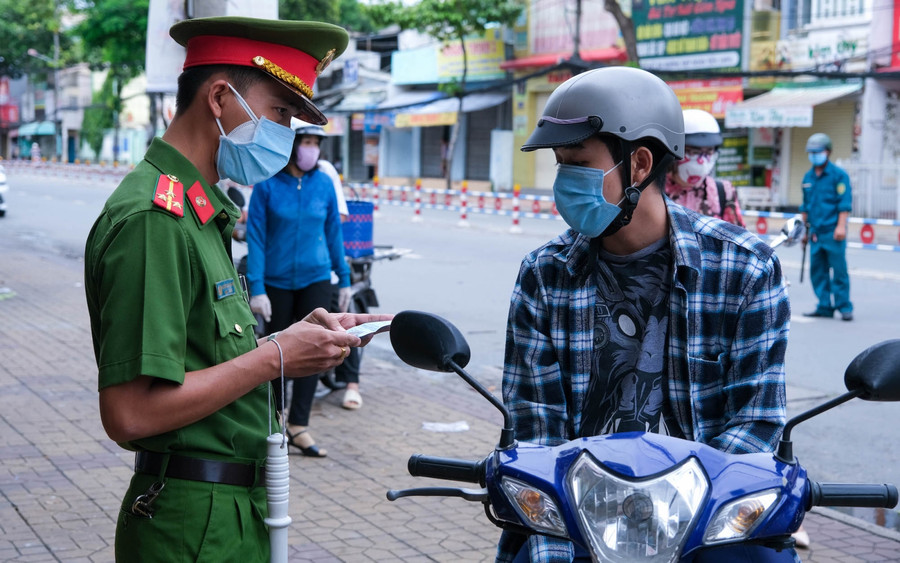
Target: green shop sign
689, 35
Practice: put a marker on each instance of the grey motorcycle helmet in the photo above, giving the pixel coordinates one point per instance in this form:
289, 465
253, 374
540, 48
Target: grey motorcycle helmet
627, 103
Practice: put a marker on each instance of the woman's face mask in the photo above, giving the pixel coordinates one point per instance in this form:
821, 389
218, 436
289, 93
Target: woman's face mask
306, 157
696, 166
253, 151
578, 192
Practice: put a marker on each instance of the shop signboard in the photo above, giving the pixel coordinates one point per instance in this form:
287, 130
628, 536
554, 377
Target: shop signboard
732, 164
482, 60
835, 51
689, 34
713, 96
438, 64
784, 116
425, 119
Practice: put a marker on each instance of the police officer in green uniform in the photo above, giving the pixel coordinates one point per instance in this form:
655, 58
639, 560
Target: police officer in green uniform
827, 202
183, 381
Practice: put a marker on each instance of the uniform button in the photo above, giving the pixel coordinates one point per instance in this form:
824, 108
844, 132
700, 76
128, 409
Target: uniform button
223, 215
238, 328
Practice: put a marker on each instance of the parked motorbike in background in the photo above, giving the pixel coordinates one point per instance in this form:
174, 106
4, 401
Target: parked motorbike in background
638, 496
362, 298
362, 291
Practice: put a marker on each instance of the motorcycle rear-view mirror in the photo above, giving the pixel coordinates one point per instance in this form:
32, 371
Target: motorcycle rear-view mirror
429, 342
791, 232
875, 373
236, 196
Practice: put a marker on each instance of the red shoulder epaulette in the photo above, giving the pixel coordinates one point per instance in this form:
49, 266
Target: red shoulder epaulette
169, 194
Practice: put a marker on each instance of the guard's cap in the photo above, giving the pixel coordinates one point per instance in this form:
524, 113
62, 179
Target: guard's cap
292, 52
818, 142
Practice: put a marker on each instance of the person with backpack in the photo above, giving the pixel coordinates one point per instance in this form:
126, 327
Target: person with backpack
690, 181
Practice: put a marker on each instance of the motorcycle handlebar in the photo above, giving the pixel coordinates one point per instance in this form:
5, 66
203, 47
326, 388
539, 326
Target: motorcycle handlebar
852, 494
421, 465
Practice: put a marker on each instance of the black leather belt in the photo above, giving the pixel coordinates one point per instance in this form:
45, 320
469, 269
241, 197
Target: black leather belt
196, 469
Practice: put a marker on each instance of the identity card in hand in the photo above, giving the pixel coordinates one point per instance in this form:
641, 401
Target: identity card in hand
365, 329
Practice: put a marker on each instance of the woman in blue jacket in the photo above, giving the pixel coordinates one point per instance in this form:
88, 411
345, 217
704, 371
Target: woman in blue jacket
294, 243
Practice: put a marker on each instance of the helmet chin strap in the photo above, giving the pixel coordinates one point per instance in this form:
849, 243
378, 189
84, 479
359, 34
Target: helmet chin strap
633, 192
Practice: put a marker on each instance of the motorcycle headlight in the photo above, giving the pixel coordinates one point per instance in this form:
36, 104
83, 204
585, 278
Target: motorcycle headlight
737, 519
636, 520
536, 509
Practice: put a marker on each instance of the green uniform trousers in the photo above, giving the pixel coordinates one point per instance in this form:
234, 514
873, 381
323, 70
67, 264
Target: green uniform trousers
194, 522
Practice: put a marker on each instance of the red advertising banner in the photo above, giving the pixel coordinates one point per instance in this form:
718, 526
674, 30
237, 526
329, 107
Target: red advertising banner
895, 55
9, 115
713, 96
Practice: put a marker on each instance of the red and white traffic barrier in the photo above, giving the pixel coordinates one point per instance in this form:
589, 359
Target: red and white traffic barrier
418, 205
516, 229
463, 203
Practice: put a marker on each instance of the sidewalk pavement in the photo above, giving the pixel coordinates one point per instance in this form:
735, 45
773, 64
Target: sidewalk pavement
61, 478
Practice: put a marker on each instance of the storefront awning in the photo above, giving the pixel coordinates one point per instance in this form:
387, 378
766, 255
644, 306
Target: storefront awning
608, 54
380, 100
444, 111
786, 105
37, 128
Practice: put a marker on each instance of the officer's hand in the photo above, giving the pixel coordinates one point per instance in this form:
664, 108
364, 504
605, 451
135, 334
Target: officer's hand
343, 299
261, 304
840, 232
315, 344
343, 321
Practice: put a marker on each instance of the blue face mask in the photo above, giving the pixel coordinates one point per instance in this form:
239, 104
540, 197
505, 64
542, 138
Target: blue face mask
255, 150
817, 158
578, 192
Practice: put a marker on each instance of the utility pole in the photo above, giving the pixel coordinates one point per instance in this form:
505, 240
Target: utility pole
57, 102
576, 59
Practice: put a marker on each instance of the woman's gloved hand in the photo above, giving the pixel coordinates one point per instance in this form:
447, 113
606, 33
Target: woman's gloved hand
260, 304
343, 299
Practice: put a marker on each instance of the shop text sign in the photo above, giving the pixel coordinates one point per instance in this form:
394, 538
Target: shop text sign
687, 35
787, 116
425, 119
714, 96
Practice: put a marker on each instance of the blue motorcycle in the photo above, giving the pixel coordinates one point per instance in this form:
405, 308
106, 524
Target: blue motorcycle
638, 496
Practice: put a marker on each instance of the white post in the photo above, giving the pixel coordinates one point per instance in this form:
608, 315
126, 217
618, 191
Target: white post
277, 489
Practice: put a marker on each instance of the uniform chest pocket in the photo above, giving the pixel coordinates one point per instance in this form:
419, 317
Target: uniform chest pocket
234, 326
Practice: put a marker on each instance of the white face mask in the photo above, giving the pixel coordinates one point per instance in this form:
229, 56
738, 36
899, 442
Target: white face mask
693, 169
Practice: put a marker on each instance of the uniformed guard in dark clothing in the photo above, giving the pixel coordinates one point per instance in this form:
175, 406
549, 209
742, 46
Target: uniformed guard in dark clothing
827, 202
183, 381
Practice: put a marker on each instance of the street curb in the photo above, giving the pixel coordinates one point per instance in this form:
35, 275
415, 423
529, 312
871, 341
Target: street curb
858, 523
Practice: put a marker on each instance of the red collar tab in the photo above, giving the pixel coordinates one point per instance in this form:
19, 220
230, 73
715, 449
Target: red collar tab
203, 207
169, 194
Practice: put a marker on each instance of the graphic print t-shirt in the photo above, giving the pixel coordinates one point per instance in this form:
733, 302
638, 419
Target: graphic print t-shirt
628, 378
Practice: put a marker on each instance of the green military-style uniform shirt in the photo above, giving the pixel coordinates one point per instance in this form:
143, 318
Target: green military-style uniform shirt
164, 299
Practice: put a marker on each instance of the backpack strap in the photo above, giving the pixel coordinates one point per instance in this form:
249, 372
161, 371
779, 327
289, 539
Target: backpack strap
722, 202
